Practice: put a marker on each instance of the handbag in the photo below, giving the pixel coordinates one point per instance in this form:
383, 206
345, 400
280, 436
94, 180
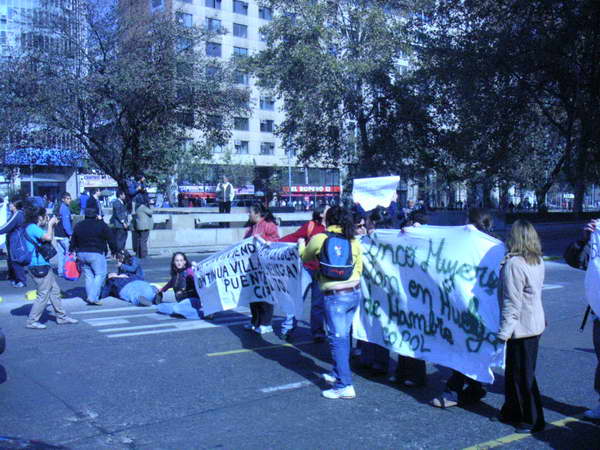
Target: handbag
46, 249
71, 268
39, 271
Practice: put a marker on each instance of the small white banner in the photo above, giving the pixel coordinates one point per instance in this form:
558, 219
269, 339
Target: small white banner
373, 192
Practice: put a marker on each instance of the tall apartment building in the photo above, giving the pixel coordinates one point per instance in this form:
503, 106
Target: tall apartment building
253, 140
37, 162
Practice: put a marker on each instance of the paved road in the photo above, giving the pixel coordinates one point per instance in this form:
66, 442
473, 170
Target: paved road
128, 378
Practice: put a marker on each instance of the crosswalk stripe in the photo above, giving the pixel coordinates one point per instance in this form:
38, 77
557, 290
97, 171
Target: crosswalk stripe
123, 308
174, 327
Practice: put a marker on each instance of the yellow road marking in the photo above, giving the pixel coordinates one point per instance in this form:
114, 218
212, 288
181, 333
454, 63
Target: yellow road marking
1, 299
519, 436
247, 350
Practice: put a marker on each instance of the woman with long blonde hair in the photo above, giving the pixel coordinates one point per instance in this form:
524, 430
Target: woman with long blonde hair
522, 323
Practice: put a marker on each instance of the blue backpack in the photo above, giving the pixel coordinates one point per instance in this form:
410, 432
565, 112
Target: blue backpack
19, 252
335, 257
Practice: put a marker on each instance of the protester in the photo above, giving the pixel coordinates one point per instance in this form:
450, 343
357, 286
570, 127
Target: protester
129, 265
133, 290
187, 303
63, 231
90, 240
225, 195
40, 270
522, 323
577, 255
455, 392
119, 220
317, 314
16, 272
341, 296
83, 199
262, 224
142, 227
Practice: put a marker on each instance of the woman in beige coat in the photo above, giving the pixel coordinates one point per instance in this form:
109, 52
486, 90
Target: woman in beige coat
522, 323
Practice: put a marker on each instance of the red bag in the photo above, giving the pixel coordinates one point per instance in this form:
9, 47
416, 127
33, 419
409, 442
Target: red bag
71, 269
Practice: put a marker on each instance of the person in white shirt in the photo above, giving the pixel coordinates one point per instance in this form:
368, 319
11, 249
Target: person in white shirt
225, 195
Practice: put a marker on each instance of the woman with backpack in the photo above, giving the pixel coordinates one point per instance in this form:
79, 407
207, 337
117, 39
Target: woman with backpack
262, 224
340, 260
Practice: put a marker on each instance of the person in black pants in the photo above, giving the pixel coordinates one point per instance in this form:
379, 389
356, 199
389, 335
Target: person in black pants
119, 220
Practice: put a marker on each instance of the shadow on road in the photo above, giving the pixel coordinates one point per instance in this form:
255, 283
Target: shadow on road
288, 357
12, 442
3, 374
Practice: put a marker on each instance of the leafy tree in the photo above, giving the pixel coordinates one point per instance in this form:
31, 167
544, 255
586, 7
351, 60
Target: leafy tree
336, 65
130, 87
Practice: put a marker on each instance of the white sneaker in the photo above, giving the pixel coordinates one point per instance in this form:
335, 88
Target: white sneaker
264, 329
346, 393
67, 320
593, 413
328, 378
35, 326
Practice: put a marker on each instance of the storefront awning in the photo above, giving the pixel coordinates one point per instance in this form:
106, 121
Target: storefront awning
31, 156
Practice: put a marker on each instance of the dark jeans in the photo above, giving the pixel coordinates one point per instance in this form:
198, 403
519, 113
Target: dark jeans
141, 243
120, 238
471, 394
522, 399
262, 313
224, 207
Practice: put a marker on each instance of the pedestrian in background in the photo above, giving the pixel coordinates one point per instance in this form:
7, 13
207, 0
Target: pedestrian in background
142, 227
261, 223
341, 299
93, 202
522, 324
40, 270
16, 272
225, 195
119, 220
91, 240
63, 231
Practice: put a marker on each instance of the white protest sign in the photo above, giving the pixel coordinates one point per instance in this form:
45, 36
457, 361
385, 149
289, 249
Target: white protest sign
592, 274
431, 293
373, 192
251, 271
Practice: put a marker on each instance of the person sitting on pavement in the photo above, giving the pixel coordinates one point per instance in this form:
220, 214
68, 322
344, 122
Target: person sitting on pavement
16, 272
129, 265
262, 224
40, 270
317, 310
577, 255
187, 303
90, 240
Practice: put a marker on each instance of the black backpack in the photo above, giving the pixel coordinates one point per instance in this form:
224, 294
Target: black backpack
335, 257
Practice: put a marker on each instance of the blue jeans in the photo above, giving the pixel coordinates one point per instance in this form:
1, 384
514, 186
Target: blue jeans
339, 312
190, 308
132, 292
317, 307
62, 248
94, 268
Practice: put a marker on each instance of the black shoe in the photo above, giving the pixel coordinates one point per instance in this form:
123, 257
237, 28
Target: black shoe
523, 428
319, 339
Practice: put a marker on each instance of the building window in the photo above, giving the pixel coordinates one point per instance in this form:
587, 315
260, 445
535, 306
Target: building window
213, 25
215, 122
241, 123
267, 148
240, 51
266, 126
240, 30
240, 7
213, 49
241, 147
267, 104
262, 36
241, 78
216, 4
156, 4
216, 148
185, 19
265, 13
